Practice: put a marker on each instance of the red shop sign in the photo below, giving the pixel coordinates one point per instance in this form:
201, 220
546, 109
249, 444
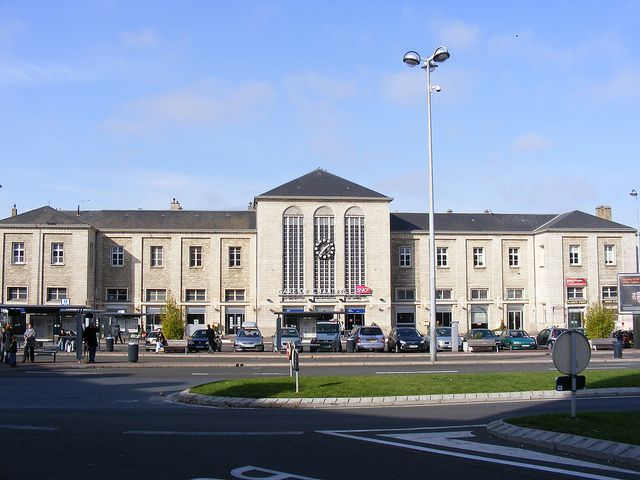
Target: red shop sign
576, 282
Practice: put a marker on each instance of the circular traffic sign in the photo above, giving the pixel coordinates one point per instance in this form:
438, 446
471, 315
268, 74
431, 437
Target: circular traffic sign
571, 347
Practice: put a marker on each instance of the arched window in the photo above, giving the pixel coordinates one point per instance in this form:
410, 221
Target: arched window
324, 249
354, 264
292, 251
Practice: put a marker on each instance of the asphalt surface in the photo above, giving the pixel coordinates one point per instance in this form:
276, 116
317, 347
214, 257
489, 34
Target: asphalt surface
116, 419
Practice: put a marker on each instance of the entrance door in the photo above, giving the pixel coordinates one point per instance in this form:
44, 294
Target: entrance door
479, 317
443, 316
575, 318
233, 322
514, 320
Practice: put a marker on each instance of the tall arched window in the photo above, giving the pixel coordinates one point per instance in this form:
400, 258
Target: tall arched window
354, 266
324, 248
292, 251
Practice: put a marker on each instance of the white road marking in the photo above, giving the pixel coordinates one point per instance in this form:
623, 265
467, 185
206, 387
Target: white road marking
28, 427
380, 430
270, 373
200, 373
560, 460
211, 434
417, 372
275, 475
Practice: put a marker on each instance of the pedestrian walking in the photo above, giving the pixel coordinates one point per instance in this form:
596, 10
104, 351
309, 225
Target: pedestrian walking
211, 339
12, 351
118, 334
90, 337
7, 336
29, 343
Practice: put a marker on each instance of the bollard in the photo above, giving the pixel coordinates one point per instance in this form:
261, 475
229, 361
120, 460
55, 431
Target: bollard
617, 349
132, 352
109, 343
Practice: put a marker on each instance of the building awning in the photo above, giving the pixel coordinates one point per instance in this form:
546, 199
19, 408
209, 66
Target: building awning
314, 314
13, 307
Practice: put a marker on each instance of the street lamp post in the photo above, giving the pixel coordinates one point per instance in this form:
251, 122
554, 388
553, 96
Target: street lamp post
413, 59
636, 317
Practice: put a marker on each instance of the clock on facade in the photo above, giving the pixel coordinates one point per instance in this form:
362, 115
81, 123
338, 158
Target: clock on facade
324, 249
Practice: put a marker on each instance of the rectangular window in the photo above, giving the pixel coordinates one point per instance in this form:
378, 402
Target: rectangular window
117, 256
609, 254
57, 254
443, 294
194, 295
354, 252
156, 257
479, 293
514, 257
56, 294
609, 293
17, 249
292, 254
195, 256
575, 293
234, 256
117, 295
574, 255
515, 293
16, 293
478, 257
156, 295
405, 295
442, 257
405, 259
234, 295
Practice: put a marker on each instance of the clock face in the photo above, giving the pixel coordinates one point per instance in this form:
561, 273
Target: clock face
324, 249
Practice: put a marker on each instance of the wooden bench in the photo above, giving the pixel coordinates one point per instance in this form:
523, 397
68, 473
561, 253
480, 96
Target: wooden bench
176, 346
46, 351
602, 343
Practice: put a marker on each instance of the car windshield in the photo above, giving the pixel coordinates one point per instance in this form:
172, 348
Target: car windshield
481, 334
517, 334
443, 332
288, 332
199, 334
327, 328
370, 331
249, 333
408, 332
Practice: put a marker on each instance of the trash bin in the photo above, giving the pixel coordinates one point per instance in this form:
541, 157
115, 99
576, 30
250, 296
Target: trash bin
617, 349
132, 352
109, 343
351, 345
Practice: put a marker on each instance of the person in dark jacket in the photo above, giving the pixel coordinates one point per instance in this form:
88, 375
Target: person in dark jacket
12, 351
211, 338
7, 336
90, 337
29, 343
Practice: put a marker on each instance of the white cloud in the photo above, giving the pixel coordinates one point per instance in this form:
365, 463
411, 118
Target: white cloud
314, 85
140, 38
23, 73
622, 86
531, 142
208, 103
457, 35
404, 87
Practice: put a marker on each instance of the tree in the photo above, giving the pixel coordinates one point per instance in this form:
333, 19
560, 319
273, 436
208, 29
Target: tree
599, 321
172, 323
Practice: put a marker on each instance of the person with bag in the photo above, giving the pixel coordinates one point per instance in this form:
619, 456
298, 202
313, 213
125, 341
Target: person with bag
29, 343
161, 342
7, 336
90, 335
13, 350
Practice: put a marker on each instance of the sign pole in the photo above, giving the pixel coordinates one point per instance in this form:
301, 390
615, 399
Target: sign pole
574, 368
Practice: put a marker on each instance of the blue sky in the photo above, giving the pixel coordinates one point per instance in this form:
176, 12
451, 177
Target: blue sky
114, 104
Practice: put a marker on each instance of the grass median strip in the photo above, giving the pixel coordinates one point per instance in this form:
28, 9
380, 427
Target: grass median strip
401, 385
613, 426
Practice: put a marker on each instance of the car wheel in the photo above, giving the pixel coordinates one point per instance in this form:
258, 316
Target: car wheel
550, 345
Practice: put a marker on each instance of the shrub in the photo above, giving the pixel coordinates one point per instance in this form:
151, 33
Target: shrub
599, 321
172, 323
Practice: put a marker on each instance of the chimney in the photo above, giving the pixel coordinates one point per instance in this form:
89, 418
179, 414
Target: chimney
175, 205
604, 211
14, 211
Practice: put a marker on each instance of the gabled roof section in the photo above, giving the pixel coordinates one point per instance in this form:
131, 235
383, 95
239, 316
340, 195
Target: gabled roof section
174, 220
322, 184
501, 222
44, 216
577, 220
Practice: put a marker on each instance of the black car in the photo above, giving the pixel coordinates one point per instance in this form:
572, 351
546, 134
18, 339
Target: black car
199, 341
406, 339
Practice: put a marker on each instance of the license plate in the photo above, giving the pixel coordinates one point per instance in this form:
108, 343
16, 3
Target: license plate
413, 346
371, 340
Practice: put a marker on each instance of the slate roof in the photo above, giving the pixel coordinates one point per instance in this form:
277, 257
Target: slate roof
322, 184
501, 222
179, 220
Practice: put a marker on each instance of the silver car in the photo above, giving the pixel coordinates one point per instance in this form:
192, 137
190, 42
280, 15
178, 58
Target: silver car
443, 339
367, 338
248, 339
288, 334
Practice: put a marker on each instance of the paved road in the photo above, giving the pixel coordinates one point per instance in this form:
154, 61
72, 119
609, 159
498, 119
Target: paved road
121, 423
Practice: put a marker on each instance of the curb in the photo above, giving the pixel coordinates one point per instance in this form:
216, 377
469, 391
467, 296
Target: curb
621, 453
414, 400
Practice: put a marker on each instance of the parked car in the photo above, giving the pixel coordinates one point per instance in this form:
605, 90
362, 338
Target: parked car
406, 339
443, 339
328, 336
517, 340
367, 338
199, 341
488, 339
248, 339
151, 340
548, 336
288, 334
